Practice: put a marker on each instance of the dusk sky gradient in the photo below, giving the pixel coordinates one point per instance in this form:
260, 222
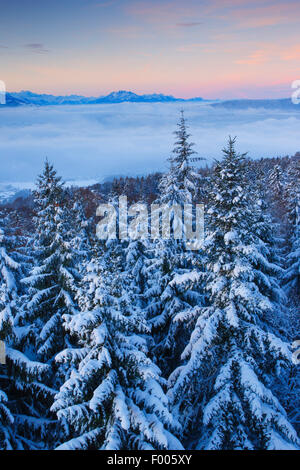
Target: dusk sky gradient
214, 49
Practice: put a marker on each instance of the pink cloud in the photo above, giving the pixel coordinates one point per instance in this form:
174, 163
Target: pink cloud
268, 15
268, 53
255, 58
292, 53
190, 47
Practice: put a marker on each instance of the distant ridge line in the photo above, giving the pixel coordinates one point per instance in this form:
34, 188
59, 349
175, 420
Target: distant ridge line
42, 99
24, 98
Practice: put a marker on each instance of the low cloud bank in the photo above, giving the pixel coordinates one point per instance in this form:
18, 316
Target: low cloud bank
94, 141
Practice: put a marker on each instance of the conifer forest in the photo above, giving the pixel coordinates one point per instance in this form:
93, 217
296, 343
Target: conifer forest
141, 343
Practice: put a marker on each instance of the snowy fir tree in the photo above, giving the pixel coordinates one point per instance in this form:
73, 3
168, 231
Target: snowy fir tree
136, 264
19, 369
114, 397
178, 185
293, 211
53, 280
276, 181
223, 390
290, 386
173, 272
10, 271
51, 293
173, 287
81, 239
7, 436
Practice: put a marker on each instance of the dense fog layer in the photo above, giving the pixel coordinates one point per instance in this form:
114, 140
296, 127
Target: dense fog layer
96, 141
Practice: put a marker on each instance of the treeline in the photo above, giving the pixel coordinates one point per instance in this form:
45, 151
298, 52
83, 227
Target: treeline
144, 344
145, 189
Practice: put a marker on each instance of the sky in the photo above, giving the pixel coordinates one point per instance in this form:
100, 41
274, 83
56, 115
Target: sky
210, 48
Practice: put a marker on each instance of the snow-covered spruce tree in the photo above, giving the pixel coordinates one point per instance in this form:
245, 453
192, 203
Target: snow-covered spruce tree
9, 274
80, 235
7, 438
276, 182
51, 294
53, 281
274, 196
178, 185
292, 277
114, 398
135, 264
174, 286
286, 385
290, 385
19, 369
223, 390
267, 231
173, 272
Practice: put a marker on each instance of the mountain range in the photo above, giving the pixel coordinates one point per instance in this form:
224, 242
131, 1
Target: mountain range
27, 97
284, 104
24, 98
